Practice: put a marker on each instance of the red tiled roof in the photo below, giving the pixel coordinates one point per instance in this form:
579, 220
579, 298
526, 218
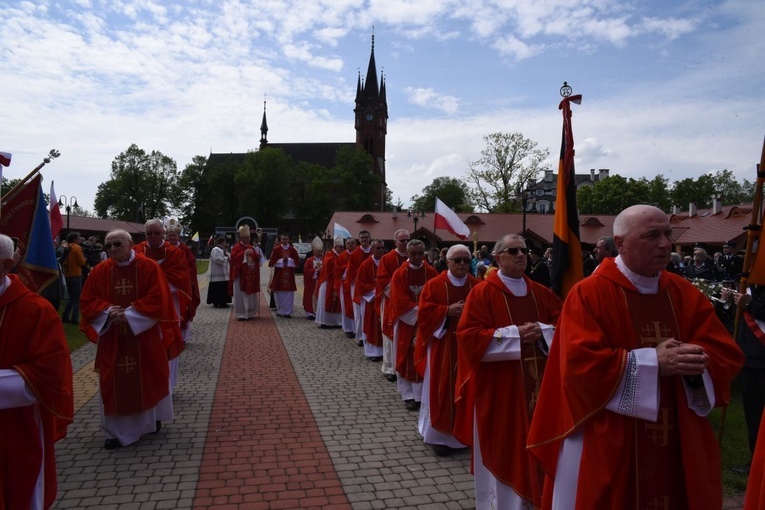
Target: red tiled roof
99, 227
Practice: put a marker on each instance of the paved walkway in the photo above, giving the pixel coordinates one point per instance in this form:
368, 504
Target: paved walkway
271, 413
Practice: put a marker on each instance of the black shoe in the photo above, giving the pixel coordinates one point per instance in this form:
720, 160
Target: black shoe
288, 316
375, 359
350, 335
412, 405
742, 470
360, 343
111, 444
310, 318
391, 377
158, 424
324, 326
441, 450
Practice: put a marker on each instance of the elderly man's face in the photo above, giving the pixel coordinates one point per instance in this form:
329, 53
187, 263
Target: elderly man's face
699, 257
600, 250
173, 238
401, 241
512, 259
647, 246
378, 250
459, 263
416, 253
118, 247
155, 236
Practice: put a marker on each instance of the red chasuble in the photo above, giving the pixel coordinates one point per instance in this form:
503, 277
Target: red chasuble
235, 264
176, 271
191, 260
32, 342
366, 282
436, 297
498, 390
405, 289
341, 267
388, 265
309, 283
132, 369
327, 274
601, 322
249, 271
284, 277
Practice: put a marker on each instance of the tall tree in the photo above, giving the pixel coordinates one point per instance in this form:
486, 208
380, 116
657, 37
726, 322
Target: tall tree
508, 162
186, 196
453, 192
730, 190
139, 187
690, 190
612, 195
357, 186
264, 185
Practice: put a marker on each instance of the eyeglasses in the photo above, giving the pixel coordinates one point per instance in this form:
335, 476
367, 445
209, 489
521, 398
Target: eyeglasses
417, 253
465, 260
514, 251
402, 240
116, 244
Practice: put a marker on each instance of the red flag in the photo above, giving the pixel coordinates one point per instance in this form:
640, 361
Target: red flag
26, 218
210, 241
448, 219
567, 250
5, 158
56, 221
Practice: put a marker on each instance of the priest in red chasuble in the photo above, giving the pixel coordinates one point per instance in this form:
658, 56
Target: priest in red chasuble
284, 260
35, 390
505, 330
311, 270
638, 362
176, 270
435, 356
363, 298
359, 255
328, 311
343, 287
405, 289
244, 277
388, 265
128, 311
173, 236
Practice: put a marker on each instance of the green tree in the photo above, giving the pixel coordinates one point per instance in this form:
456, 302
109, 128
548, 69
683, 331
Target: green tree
612, 195
453, 192
314, 199
690, 190
658, 193
139, 188
186, 196
264, 186
731, 191
508, 162
356, 186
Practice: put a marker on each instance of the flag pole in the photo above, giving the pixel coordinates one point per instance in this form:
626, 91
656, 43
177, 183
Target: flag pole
53, 154
753, 231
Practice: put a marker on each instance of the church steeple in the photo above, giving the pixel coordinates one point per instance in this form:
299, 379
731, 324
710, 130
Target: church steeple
372, 120
263, 128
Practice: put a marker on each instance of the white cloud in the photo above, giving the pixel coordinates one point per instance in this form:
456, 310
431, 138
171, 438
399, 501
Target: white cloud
429, 98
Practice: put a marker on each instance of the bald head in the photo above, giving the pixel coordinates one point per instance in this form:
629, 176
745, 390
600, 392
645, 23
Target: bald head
643, 237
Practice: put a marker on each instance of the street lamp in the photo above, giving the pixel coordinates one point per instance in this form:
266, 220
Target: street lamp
415, 217
523, 196
63, 199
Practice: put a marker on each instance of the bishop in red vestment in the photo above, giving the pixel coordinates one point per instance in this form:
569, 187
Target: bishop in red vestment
405, 289
363, 298
244, 276
639, 360
36, 402
435, 356
506, 328
284, 260
128, 312
388, 265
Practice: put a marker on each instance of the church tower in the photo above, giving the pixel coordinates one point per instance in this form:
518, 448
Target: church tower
372, 120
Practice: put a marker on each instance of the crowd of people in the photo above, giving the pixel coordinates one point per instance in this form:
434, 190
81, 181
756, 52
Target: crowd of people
598, 401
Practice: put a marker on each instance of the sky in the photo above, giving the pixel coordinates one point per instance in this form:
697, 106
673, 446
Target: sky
669, 87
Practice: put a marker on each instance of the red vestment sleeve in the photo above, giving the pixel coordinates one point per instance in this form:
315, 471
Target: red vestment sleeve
430, 315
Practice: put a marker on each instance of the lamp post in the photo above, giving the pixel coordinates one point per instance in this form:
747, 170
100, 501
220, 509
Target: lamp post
416, 215
64, 200
523, 196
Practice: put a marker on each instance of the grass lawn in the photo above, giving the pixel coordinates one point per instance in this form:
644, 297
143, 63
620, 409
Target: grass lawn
202, 265
735, 448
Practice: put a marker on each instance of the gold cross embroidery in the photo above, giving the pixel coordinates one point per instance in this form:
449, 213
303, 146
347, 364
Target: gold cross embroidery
126, 364
659, 432
124, 287
532, 365
654, 333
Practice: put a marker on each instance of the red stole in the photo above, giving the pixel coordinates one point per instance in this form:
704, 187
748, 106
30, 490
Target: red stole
658, 464
405, 288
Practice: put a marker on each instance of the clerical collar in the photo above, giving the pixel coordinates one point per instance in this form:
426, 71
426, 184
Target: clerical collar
5, 285
457, 282
415, 267
515, 285
644, 284
401, 254
128, 261
377, 261
367, 250
285, 247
